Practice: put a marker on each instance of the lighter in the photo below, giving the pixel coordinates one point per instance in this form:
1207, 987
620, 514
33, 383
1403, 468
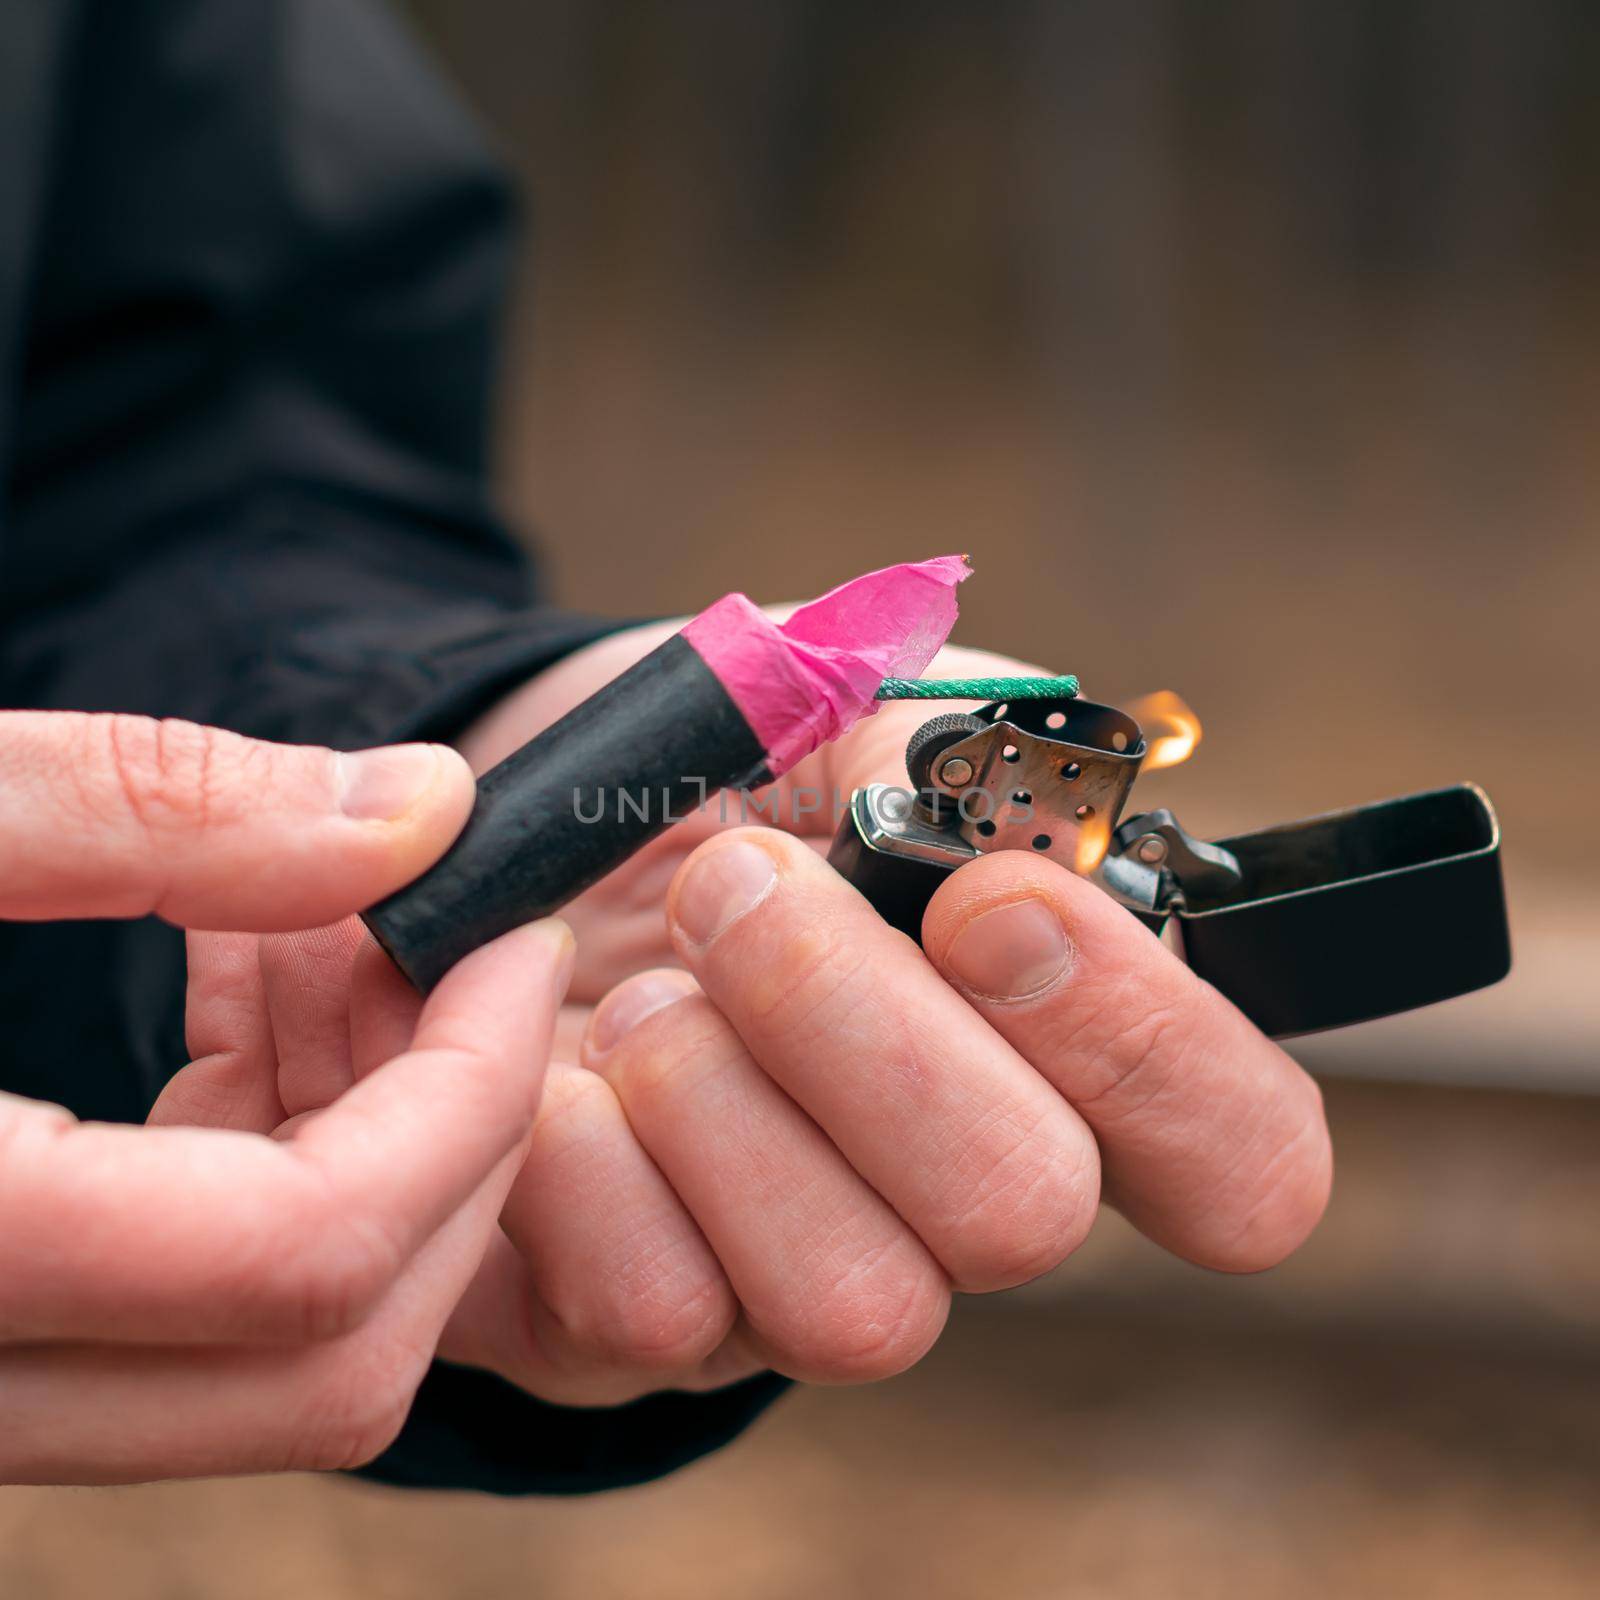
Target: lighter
1310, 925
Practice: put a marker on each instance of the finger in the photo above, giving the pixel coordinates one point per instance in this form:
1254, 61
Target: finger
1212, 1138
120, 816
610, 1289
232, 1080
105, 1413
407, 1145
935, 1110
572, 1023
198, 1235
306, 986
384, 1009
835, 1288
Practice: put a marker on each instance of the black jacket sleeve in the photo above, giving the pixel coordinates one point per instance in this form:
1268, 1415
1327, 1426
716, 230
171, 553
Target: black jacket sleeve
251, 255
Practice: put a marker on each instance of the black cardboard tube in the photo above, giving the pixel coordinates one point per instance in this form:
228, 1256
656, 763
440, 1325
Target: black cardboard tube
647, 748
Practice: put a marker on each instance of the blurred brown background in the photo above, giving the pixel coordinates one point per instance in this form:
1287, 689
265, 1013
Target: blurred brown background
1249, 350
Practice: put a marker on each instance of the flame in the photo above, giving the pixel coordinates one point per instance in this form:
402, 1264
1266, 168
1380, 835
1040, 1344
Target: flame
1094, 837
1171, 729
1171, 732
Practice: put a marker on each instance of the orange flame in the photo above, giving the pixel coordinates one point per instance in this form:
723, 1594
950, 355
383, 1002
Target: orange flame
1171, 729
1094, 837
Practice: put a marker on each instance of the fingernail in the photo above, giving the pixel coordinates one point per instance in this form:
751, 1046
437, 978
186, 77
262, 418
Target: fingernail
555, 932
382, 785
1011, 952
721, 887
630, 1003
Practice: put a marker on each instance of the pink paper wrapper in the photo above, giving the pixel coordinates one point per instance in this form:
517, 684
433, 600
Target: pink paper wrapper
803, 682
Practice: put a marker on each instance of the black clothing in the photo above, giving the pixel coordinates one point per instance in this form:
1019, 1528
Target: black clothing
251, 256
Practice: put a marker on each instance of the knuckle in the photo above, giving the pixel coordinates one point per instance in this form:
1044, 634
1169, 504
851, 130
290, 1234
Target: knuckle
329, 1277
163, 771
1139, 1051
1030, 1206
812, 980
653, 1070
661, 1332
28, 1122
352, 1441
358, 1411
576, 1107
365, 1444
877, 1322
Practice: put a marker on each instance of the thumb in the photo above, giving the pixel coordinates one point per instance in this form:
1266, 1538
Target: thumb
106, 815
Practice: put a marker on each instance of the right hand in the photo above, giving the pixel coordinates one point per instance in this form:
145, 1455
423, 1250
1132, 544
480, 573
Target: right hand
790, 1154
256, 1282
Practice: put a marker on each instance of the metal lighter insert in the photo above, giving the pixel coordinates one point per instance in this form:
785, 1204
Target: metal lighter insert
1306, 926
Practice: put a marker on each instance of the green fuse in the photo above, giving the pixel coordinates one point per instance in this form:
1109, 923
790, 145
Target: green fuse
977, 689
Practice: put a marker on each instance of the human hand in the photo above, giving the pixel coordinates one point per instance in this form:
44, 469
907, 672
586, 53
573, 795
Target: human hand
262, 1288
787, 1148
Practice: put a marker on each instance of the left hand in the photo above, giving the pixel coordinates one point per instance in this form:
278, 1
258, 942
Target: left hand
241, 1286
777, 1134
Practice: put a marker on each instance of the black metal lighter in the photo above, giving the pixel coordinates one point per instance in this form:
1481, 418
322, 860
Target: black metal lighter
1310, 925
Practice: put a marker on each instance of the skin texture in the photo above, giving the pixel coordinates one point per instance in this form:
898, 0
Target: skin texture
256, 1281
777, 1134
